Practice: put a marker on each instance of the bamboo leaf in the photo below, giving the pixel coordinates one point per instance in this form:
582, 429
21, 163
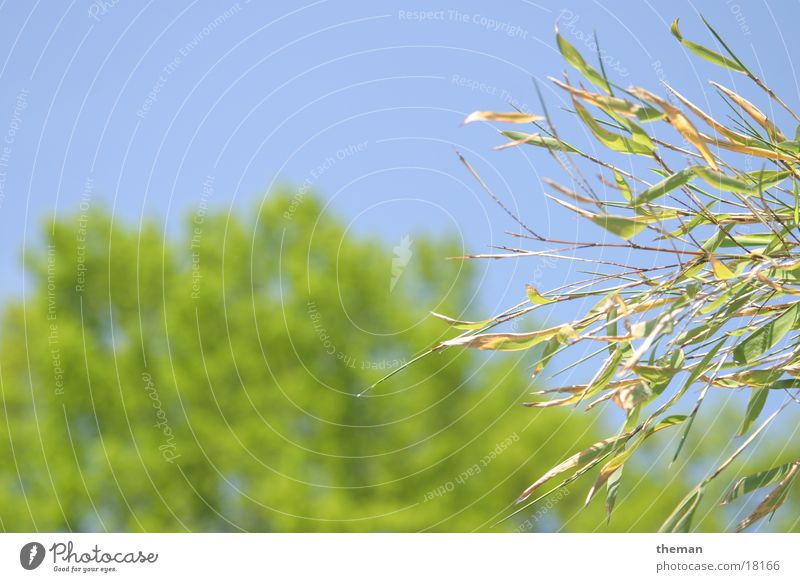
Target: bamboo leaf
756, 182
612, 488
706, 53
680, 520
754, 112
666, 185
552, 346
622, 226
614, 105
749, 240
721, 272
537, 298
758, 397
619, 460
697, 371
464, 325
623, 186
596, 451
611, 140
513, 117
574, 58
535, 139
511, 341
760, 152
680, 122
772, 501
728, 133
760, 341
756, 481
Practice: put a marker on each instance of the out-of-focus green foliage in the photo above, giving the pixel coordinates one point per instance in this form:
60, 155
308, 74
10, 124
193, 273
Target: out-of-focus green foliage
208, 382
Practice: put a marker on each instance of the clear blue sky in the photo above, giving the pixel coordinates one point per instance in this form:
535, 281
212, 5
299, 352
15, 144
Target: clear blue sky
362, 100
136, 105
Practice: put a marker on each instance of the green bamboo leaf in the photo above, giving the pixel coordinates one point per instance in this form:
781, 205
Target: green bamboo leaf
537, 298
606, 373
706, 53
756, 181
756, 481
540, 141
464, 325
612, 488
758, 397
666, 185
761, 340
720, 269
638, 134
755, 378
655, 374
696, 334
667, 422
622, 226
574, 58
511, 341
550, 349
647, 114
730, 298
672, 368
619, 460
772, 501
680, 521
623, 186
597, 451
749, 240
766, 179
696, 372
714, 241
513, 117
796, 193
792, 146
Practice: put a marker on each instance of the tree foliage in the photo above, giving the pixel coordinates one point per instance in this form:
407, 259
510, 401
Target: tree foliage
207, 381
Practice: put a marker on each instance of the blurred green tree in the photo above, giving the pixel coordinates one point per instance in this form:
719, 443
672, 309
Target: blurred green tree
209, 382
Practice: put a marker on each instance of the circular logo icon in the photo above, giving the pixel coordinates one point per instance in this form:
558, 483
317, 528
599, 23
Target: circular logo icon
31, 555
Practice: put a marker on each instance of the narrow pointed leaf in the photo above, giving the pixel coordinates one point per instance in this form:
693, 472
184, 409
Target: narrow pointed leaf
596, 451
772, 501
761, 340
537, 298
614, 141
512, 117
758, 397
574, 58
756, 481
680, 521
464, 325
535, 139
666, 185
511, 341
622, 226
706, 53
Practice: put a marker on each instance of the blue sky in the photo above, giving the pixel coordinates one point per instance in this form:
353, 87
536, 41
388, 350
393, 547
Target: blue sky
136, 105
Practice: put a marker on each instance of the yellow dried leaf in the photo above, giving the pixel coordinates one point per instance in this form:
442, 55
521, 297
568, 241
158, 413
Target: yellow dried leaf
513, 117
754, 112
680, 122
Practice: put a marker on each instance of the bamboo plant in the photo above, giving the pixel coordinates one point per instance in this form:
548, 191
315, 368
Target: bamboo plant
714, 307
